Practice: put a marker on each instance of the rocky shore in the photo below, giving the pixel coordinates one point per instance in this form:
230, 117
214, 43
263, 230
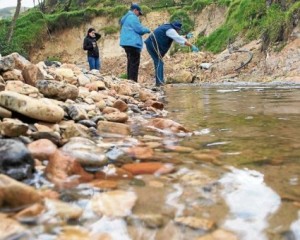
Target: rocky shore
65, 129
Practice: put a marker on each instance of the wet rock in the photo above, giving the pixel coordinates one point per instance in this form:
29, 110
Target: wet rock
15, 159
16, 194
14, 74
148, 168
118, 117
88, 123
51, 136
120, 105
62, 210
104, 184
219, 234
113, 127
31, 74
13, 127
10, 227
115, 204
80, 233
167, 124
86, 152
20, 87
7, 63
76, 130
64, 171
30, 107
148, 220
180, 149
142, 153
207, 158
57, 90
196, 223
42, 149
145, 96
154, 104
30, 212
4, 113
77, 113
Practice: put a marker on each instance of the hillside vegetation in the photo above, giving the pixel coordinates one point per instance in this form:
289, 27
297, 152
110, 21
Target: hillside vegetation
270, 20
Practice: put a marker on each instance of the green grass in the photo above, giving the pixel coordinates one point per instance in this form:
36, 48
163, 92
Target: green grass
184, 18
110, 29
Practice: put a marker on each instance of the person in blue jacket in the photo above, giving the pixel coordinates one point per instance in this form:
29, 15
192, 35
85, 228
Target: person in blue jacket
131, 39
159, 43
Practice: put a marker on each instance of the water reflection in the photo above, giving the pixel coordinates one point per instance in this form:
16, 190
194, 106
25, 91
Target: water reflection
256, 127
250, 202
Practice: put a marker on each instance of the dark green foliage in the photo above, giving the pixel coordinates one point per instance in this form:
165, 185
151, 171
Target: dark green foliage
184, 18
110, 30
29, 30
199, 5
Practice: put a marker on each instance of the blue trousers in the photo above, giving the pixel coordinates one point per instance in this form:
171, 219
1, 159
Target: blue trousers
158, 64
94, 63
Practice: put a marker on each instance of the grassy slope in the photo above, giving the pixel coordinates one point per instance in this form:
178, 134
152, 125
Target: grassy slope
249, 19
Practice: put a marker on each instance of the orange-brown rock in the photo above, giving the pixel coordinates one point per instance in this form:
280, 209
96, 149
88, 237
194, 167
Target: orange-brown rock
119, 117
140, 152
113, 127
16, 194
144, 96
167, 124
108, 110
154, 104
148, 168
121, 105
32, 74
31, 211
104, 184
42, 149
65, 171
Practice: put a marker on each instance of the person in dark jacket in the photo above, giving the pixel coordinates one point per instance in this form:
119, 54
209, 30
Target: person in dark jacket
90, 44
159, 43
131, 39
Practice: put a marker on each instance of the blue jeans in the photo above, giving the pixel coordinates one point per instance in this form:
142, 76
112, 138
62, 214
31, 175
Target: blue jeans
158, 65
94, 63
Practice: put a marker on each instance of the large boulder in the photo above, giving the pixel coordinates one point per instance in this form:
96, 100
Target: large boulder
40, 109
15, 159
14, 74
31, 74
57, 90
7, 63
20, 87
20, 61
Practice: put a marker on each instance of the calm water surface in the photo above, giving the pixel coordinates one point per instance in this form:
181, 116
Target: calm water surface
256, 129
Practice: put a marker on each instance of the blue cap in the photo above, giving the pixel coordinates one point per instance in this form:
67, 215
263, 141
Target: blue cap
137, 7
177, 25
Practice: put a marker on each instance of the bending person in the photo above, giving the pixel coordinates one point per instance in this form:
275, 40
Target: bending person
131, 40
159, 43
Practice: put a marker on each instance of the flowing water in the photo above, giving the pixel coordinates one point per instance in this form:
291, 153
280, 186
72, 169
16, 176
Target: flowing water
256, 129
237, 174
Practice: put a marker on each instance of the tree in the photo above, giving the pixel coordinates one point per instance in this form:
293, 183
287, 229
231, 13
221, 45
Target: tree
13, 22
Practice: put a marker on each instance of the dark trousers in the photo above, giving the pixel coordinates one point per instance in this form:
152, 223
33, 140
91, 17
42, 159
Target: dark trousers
133, 62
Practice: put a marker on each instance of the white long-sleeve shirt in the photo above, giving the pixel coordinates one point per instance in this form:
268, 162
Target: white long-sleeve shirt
172, 33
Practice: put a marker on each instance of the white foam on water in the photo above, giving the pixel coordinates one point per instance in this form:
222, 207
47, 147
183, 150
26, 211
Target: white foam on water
250, 203
173, 199
115, 228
